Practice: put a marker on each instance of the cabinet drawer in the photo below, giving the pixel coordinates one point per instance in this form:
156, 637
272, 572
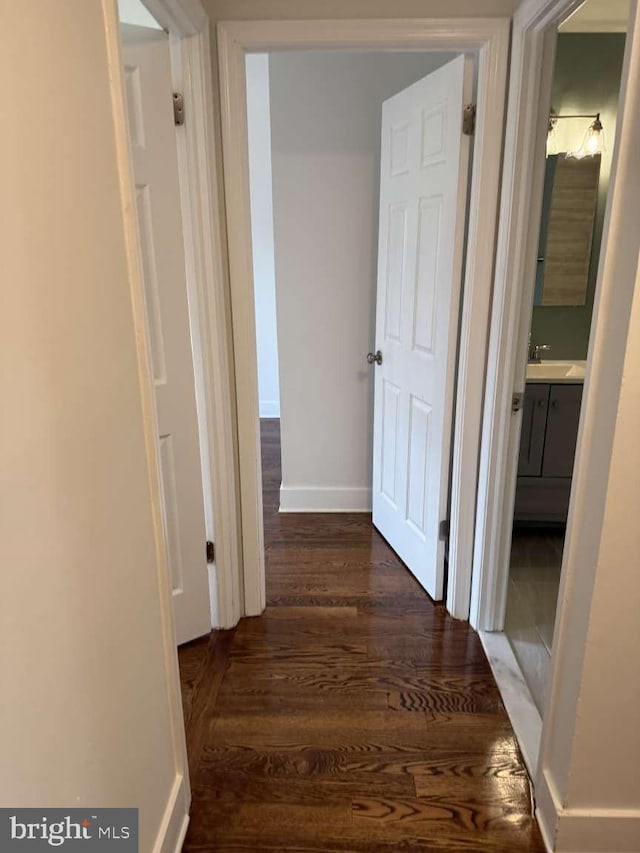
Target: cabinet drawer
543, 499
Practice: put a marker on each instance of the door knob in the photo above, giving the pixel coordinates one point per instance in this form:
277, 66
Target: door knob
377, 357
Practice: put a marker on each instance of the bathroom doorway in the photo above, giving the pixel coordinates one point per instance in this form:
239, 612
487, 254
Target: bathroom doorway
581, 132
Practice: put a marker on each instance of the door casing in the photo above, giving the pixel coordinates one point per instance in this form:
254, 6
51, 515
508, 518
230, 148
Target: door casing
488, 39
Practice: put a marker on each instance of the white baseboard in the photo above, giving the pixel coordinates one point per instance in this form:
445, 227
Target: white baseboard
583, 830
521, 709
183, 833
269, 408
546, 813
324, 499
173, 827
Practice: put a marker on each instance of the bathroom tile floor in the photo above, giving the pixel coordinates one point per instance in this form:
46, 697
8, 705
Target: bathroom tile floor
534, 578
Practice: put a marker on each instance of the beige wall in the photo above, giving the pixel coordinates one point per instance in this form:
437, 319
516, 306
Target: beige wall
610, 693
88, 702
264, 275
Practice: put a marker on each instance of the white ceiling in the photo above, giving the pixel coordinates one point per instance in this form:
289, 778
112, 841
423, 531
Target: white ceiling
134, 12
598, 16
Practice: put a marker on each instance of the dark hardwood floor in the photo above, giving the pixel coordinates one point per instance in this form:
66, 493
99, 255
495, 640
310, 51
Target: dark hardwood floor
354, 715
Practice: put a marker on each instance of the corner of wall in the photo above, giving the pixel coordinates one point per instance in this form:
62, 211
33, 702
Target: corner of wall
567, 830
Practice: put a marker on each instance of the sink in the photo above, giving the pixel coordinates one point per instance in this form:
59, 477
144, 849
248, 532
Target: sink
556, 371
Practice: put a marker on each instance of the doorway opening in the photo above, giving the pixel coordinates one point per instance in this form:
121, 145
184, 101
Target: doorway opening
486, 41
585, 89
339, 238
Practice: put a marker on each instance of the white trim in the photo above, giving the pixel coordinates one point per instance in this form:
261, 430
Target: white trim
584, 830
324, 499
182, 834
518, 701
174, 822
545, 811
490, 38
270, 409
192, 75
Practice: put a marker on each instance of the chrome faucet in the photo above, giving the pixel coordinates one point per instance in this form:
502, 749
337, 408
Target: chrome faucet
535, 350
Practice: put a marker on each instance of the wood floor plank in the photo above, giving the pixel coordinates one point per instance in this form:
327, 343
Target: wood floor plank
354, 716
358, 730
203, 689
296, 789
438, 762
447, 812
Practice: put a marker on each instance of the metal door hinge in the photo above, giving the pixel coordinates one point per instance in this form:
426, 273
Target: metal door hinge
444, 529
211, 552
469, 119
516, 401
178, 108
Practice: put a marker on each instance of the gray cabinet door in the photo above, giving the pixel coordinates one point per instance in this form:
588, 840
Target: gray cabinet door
562, 430
542, 499
534, 418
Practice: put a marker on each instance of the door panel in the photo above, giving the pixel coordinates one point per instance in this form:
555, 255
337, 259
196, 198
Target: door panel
419, 430
534, 422
562, 430
426, 276
391, 394
423, 177
153, 143
397, 239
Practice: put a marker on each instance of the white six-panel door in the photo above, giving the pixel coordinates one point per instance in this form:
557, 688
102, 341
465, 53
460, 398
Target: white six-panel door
423, 178
152, 130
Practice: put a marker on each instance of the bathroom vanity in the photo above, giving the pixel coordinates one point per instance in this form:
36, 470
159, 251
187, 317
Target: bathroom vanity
550, 417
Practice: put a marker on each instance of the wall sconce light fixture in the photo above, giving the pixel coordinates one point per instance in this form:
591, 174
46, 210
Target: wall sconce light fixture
592, 143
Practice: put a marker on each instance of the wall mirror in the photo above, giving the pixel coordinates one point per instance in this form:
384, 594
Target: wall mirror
566, 229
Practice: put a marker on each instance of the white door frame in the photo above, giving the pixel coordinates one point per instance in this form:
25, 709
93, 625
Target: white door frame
532, 58
188, 26
489, 39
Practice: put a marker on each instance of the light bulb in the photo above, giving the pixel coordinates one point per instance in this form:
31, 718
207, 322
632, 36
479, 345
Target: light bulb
593, 142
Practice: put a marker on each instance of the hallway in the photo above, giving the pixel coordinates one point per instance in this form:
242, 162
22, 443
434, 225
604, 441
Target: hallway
354, 715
